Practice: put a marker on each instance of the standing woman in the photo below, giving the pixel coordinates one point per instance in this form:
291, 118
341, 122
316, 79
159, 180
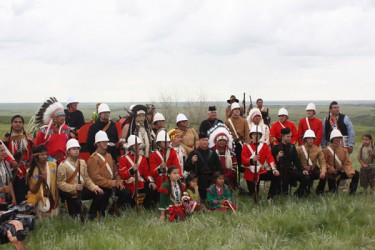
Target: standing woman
41, 179
20, 146
6, 187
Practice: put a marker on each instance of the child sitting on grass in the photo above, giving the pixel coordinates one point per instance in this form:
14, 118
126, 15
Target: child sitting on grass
366, 156
170, 204
193, 200
219, 196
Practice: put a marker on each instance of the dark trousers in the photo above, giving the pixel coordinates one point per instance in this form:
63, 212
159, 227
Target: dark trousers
101, 201
315, 175
274, 188
333, 184
151, 196
289, 179
72, 200
204, 182
20, 189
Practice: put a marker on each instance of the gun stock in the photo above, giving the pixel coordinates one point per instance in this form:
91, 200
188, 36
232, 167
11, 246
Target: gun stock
256, 168
136, 192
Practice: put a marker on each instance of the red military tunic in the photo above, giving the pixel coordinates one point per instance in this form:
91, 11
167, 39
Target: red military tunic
156, 158
275, 133
54, 142
125, 165
264, 154
315, 125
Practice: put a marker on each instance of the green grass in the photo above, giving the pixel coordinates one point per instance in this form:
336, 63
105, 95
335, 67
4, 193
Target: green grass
331, 222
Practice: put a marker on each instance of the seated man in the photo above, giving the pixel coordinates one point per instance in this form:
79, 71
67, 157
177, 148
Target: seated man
339, 165
73, 179
288, 165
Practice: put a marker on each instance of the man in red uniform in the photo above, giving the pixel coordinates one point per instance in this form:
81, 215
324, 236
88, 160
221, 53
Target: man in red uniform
275, 133
163, 158
127, 167
53, 133
310, 123
259, 153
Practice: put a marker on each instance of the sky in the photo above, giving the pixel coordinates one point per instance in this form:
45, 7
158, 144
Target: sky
132, 51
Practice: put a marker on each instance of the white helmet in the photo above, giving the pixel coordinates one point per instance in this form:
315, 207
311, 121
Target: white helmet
181, 117
310, 106
235, 105
158, 117
283, 111
161, 136
72, 143
309, 134
72, 99
131, 141
101, 136
103, 108
255, 129
335, 133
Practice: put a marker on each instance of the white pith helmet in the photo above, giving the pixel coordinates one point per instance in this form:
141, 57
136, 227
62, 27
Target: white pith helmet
283, 111
131, 140
161, 136
235, 105
103, 108
309, 134
158, 117
72, 143
72, 99
311, 106
181, 117
101, 136
334, 134
255, 129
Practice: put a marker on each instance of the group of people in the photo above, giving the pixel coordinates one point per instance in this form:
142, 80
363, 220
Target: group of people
140, 163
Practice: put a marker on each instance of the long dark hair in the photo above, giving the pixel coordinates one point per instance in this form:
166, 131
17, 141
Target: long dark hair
189, 179
372, 145
216, 175
170, 170
37, 150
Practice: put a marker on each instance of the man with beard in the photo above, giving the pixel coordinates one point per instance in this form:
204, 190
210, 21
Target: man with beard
106, 125
289, 165
211, 122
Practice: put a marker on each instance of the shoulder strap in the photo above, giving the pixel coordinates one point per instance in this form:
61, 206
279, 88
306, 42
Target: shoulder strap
336, 158
105, 164
282, 125
234, 129
305, 152
308, 123
75, 169
107, 126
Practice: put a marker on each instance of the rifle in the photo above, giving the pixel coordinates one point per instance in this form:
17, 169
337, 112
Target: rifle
195, 151
255, 169
83, 209
281, 172
46, 187
338, 177
137, 205
114, 206
250, 106
244, 104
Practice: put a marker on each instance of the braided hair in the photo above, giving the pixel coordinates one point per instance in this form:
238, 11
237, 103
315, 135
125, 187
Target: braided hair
372, 144
179, 183
36, 151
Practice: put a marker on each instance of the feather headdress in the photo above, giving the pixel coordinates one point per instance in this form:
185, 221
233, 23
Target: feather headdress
218, 131
45, 114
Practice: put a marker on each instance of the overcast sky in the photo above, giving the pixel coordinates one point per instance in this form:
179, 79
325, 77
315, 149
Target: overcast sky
129, 50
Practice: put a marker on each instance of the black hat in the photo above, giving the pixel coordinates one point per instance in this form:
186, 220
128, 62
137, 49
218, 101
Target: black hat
232, 98
285, 131
211, 108
203, 134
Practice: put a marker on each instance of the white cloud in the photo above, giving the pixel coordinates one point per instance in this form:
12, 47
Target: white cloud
132, 50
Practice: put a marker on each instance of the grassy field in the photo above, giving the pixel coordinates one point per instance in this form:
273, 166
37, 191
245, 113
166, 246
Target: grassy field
329, 222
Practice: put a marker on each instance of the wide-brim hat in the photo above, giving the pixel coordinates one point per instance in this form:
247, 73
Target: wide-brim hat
232, 98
